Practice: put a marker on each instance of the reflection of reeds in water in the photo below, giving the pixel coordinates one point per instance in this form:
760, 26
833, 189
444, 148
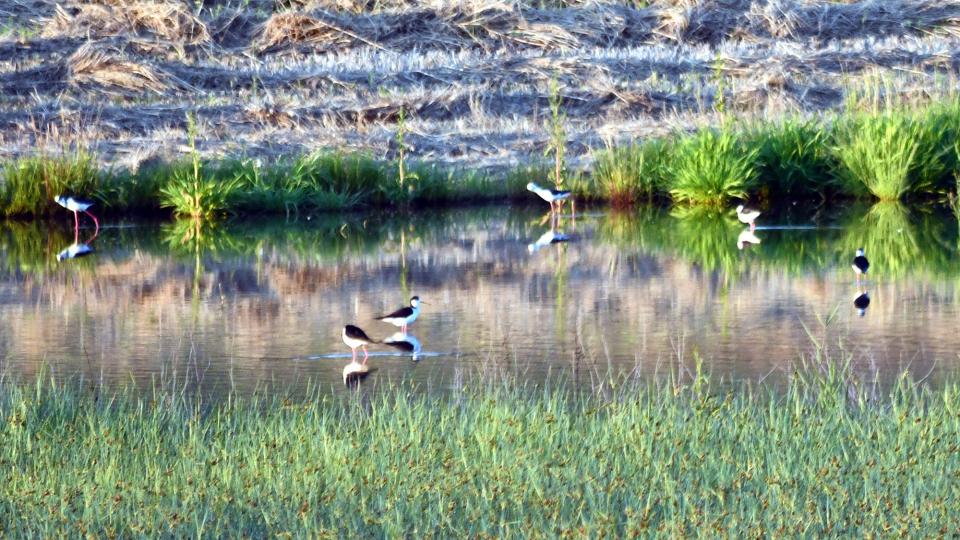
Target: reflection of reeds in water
707, 237
899, 242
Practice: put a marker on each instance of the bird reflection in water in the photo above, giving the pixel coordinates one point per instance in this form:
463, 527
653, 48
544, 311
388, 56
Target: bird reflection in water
77, 249
862, 302
747, 237
547, 238
407, 343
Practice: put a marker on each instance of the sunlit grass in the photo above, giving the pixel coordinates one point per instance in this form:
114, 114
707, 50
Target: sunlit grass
711, 167
830, 454
29, 184
794, 159
627, 175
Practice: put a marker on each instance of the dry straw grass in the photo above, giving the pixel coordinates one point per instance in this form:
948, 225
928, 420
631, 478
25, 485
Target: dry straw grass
171, 21
106, 70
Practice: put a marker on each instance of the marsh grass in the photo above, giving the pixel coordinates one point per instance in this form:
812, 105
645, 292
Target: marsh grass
793, 159
627, 175
894, 153
831, 454
711, 167
30, 184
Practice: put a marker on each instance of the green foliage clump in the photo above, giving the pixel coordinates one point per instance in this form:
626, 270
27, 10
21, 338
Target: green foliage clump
793, 159
711, 167
29, 184
626, 175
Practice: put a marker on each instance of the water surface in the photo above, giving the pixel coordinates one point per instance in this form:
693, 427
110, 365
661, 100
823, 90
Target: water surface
261, 304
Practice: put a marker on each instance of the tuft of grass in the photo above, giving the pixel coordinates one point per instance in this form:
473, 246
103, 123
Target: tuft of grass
793, 159
191, 192
30, 184
711, 167
893, 153
626, 175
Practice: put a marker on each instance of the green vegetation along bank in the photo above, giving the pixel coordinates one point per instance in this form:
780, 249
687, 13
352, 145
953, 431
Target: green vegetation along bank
888, 154
824, 457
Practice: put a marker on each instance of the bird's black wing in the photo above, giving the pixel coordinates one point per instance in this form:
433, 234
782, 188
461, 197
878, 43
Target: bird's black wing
402, 312
558, 192
355, 332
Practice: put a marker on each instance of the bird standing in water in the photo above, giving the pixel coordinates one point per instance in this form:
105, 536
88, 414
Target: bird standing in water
552, 196
75, 205
748, 216
405, 315
354, 337
860, 264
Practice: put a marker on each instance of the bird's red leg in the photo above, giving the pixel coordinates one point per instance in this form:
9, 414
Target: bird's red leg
365, 355
95, 222
354, 351
76, 220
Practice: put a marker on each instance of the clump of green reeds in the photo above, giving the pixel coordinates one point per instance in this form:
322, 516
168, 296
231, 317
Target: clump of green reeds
711, 167
793, 158
894, 153
191, 191
626, 175
29, 184
832, 453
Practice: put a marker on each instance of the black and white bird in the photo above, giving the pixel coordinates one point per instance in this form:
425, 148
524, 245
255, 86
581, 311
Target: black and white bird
354, 372
354, 337
404, 316
862, 302
748, 216
860, 264
552, 196
74, 251
75, 205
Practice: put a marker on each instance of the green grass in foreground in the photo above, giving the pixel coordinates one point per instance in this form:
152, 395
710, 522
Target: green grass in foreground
820, 459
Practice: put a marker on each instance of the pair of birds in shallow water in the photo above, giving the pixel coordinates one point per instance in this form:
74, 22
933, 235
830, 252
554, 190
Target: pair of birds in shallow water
355, 338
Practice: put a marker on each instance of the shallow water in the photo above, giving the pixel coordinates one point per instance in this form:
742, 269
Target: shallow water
261, 304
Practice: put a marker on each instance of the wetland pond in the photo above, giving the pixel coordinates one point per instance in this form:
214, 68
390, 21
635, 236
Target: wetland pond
255, 304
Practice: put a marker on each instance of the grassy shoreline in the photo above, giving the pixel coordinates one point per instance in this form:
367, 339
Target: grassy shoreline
888, 154
825, 456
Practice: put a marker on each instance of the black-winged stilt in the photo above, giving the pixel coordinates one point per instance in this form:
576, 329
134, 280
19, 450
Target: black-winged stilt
748, 216
860, 264
862, 302
354, 337
405, 315
550, 195
747, 237
75, 205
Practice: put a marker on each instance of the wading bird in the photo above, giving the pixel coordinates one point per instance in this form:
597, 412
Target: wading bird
77, 205
748, 216
405, 315
860, 264
552, 196
354, 338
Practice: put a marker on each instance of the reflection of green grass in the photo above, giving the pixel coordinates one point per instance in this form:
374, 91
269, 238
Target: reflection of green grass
901, 242
898, 242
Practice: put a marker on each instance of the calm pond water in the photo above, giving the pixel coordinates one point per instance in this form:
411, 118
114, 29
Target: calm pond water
255, 304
